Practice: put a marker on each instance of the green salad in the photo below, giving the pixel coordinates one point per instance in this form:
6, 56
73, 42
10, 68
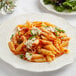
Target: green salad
62, 5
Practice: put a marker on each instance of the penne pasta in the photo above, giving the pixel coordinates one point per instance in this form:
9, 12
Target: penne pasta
44, 42
43, 37
39, 41
11, 46
62, 35
65, 39
44, 30
28, 24
52, 48
48, 58
36, 23
39, 60
49, 36
57, 41
65, 43
14, 39
62, 49
21, 45
37, 56
66, 51
48, 24
45, 52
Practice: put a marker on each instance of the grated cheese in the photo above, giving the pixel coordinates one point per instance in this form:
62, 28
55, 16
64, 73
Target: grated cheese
36, 30
30, 42
19, 29
50, 29
28, 56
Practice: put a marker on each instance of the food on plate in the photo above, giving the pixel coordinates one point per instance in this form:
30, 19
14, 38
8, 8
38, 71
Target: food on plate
62, 5
39, 41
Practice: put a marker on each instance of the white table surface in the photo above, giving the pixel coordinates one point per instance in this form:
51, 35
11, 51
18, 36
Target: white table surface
25, 6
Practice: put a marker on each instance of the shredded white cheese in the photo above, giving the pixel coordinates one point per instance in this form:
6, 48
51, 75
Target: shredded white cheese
35, 31
28, 56
50, 28
19, 29
30, 42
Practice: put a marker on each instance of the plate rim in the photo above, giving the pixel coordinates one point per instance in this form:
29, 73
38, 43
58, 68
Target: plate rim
35, 70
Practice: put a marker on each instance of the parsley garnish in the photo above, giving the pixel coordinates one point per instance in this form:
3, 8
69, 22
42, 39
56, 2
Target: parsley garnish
43, 25
30, 54
11, 36
21, 56
19, 33
31, 32
31, 37
38, 52
56, 34
46, 26
59, 30
62, 38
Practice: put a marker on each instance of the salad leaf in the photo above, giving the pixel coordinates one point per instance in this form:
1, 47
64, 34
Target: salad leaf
59, 8
62, 5
74, 8
47, 1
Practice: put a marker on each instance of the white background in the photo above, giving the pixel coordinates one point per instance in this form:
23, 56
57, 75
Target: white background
25, 6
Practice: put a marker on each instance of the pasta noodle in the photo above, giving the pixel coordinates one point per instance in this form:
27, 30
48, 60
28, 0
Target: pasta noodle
65, 43
45, 52
39, 41
39, 60
49, 59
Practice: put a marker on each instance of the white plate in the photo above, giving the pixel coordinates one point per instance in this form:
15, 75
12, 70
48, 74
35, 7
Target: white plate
7, 29
50, 8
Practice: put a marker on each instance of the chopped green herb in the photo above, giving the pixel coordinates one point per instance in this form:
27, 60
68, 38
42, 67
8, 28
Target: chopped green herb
31, 32
11, 36
59, 30
43, 25
62, 38
40, 37
62, 31
21, 56
56, 34
46, 26
38, 52
30, 54
31, 37
19, 33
